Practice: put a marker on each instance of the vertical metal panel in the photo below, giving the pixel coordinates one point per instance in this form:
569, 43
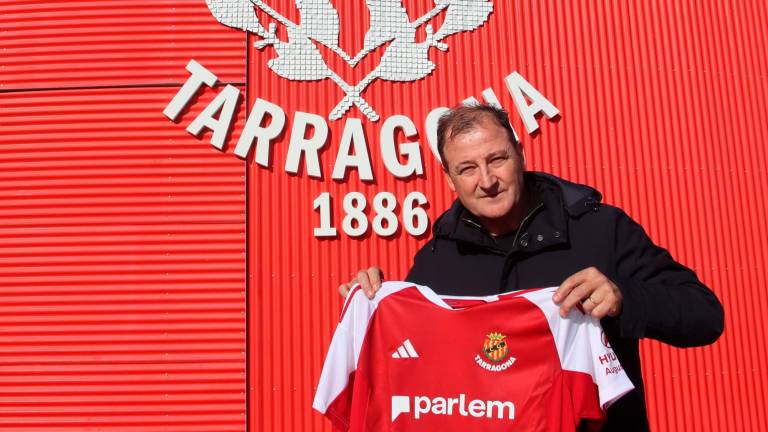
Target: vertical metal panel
662, 106
106, 43
121, 267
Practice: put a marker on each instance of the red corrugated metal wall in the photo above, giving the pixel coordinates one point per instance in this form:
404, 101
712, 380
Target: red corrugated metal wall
662, 108
122, 277
123, 237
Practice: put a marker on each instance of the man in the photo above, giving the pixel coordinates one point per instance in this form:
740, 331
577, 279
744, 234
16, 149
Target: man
510, 230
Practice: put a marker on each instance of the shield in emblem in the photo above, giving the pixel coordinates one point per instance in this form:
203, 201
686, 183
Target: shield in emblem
495, 347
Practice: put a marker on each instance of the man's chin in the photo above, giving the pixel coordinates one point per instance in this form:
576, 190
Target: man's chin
496, 212
494, 217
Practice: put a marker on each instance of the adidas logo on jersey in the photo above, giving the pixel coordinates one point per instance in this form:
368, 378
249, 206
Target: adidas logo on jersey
405, 350
424, 405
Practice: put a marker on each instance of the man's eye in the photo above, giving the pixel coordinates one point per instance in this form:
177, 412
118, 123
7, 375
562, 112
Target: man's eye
466, 170
498, 160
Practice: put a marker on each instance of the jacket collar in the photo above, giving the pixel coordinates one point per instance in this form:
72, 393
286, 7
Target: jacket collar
554, 201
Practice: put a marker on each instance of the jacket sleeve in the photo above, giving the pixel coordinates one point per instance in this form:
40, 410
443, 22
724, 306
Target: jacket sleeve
662, 299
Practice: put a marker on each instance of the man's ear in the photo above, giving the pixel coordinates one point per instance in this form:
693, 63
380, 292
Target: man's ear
522, 155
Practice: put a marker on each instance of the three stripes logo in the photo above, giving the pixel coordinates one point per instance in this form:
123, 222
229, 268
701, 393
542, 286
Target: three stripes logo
405, 350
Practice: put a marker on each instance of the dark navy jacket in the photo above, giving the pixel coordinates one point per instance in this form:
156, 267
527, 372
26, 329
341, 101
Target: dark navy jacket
568, 230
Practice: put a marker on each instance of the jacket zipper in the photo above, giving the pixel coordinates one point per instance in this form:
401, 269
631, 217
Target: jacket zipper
479, 227
474, 224
505, 276
514, 242
525, 219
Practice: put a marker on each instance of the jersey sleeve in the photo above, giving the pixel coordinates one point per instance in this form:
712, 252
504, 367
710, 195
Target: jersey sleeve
337, 379
589, 352
346, 381
583, 349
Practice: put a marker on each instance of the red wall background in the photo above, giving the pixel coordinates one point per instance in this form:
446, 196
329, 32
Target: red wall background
130, 251
122, 284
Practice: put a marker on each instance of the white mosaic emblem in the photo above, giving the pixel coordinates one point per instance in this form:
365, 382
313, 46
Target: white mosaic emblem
404, 60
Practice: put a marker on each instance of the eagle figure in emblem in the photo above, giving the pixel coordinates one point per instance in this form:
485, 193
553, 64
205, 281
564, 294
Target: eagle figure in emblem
388, 20
299, 59
319, 20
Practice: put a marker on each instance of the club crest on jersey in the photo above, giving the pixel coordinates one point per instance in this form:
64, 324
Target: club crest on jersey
495, 347
299, 59
495, 350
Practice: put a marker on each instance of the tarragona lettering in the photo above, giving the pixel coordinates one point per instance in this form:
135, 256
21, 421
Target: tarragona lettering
494, 367
309, 132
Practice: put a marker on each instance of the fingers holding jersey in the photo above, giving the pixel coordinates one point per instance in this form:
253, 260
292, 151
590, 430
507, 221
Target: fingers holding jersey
344, 288
575, 292
606, 308
590, 290
369, 280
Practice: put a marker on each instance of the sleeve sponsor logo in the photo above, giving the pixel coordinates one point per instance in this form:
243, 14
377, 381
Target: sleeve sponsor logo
609, 359
604, 340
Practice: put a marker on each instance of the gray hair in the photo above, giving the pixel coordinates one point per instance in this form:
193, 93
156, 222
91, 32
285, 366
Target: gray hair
464, 118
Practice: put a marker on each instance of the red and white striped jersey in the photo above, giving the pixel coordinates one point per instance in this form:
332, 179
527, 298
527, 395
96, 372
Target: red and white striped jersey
410, 360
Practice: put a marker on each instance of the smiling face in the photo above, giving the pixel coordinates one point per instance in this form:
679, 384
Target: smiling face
485, 169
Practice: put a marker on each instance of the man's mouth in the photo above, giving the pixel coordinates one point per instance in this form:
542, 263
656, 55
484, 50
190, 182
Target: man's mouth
491, 196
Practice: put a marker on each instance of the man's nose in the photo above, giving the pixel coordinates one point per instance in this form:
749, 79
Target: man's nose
487, 179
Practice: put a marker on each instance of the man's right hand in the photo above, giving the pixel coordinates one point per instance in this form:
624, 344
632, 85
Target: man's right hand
369, 280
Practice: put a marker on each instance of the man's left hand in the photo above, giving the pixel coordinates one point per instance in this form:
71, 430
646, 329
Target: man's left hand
597, 295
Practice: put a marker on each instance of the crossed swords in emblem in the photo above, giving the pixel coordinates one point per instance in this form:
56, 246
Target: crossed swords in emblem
404, 59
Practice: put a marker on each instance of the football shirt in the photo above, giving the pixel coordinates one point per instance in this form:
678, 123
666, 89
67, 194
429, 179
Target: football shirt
410, 360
